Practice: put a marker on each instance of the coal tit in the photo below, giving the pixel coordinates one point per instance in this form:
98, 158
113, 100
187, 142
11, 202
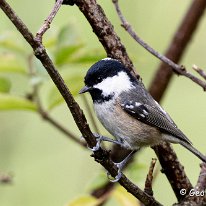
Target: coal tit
128, 111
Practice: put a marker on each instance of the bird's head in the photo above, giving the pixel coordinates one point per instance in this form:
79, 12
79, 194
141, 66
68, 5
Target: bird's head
106, 79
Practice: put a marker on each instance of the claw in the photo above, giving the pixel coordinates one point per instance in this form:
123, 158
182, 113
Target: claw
116, 178
119, 173
99, 140
120, 166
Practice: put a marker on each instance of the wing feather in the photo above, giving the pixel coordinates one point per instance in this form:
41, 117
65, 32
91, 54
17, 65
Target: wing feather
154, 116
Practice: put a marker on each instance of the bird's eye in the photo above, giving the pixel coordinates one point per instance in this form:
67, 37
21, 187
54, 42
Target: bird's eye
99, 79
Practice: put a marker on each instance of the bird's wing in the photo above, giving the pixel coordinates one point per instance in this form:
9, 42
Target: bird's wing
154, 116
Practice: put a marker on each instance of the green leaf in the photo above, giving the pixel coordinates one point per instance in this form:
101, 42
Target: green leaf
9, 102
124, 198
85, 201
137, 171
10, 63
68, 43
74, 81
97, 181
87, 57
8, 41
5, 85
62, 55
68, 36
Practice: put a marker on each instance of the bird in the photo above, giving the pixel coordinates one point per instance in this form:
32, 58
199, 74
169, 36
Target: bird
128, 112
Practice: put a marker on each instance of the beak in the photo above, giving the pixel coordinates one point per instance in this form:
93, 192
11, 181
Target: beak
84, 89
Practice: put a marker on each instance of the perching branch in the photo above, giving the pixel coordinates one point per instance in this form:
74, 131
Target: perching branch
177, 176
159, 85
179, 69
101, 155
97, 29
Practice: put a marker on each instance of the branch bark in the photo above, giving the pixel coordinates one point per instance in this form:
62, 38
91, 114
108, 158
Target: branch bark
177, 48
172, 168
179, 69
101, 155
104, 31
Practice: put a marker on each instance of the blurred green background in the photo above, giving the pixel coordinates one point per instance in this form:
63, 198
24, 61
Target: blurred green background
46, 167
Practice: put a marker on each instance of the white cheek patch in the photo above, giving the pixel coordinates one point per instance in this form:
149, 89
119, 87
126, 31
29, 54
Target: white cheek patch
115, 85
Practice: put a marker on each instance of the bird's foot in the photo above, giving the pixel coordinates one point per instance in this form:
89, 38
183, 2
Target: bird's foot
120, 167
101, 138
119, 173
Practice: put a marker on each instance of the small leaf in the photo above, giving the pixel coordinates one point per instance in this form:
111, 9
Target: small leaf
67, 36
97, 181
87, 57
124, 198
136, 171
74, 81
5, 85
10, 63
63, 54
8, 41
85, 201
9, 102
50, 42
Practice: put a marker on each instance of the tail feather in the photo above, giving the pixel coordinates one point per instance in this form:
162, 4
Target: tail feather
193, 150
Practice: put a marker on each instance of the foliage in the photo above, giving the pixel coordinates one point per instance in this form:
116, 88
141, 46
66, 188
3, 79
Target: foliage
67, 51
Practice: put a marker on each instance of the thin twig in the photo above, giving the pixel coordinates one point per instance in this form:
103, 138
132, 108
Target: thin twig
94, 123
101, 156
200, 71
48, 21
177, 47
179, 69
149, 179
45, 115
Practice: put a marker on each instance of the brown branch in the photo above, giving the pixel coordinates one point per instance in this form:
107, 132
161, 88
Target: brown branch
171, 167
201, 183
173, 170
162, 78
200, 187
177, 48
179, 69
149, 179
48, 21
34, 96
104, 31
101, 155
57, 125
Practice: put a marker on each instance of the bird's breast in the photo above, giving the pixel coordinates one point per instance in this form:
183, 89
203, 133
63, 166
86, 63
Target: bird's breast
130, 131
